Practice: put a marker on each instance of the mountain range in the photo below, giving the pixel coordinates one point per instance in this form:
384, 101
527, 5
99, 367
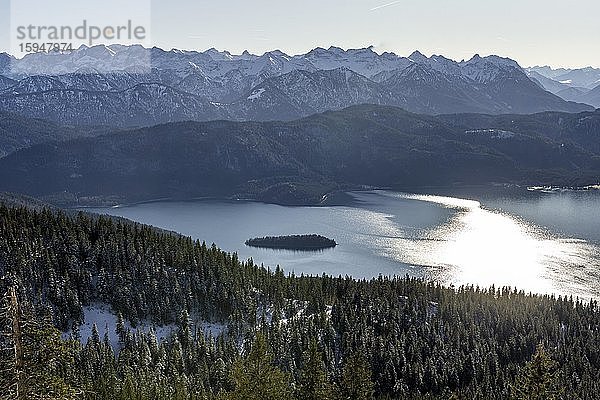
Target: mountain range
299, 162
131, 86
579, 85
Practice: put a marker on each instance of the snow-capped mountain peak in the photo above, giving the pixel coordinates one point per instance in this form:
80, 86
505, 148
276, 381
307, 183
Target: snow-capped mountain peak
418, 57
487, 69
106, 81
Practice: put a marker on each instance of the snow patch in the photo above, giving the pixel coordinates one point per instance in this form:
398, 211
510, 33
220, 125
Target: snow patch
105, 320
493, 133
300, 311
256, 94
106, 323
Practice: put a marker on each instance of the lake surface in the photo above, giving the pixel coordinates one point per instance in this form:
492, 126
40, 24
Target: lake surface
539, 242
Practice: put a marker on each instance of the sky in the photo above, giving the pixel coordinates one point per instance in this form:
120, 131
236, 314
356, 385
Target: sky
533, 32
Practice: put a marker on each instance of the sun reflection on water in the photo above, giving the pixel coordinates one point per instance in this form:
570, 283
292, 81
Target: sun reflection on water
484, 247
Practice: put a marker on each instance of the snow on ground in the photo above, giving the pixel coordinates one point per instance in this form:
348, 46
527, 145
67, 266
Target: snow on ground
300, 308
106, 322
256, 94
212, 328
493, 133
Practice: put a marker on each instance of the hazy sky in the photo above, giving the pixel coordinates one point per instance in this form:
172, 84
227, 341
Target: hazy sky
558, 33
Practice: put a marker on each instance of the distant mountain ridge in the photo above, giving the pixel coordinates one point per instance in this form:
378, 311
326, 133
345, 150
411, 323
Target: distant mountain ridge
580, 85
130, 86
298, 162
17, 132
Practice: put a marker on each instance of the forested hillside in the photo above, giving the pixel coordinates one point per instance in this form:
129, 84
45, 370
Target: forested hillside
299, 162
17, 132
286, 337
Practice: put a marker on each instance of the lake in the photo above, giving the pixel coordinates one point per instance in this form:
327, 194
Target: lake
539, 242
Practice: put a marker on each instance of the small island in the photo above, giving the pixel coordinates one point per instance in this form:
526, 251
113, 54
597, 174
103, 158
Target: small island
293, 242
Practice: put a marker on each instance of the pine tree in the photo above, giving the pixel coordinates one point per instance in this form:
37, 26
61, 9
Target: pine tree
538, 379
256, 378
33, 355
121, 330
313, 383
357, 383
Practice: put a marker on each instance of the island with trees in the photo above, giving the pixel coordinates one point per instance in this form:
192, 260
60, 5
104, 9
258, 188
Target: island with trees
293, 242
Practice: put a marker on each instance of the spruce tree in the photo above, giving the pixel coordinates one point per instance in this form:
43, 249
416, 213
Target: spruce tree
356, 382
33, 357
313, 383
538, 379
256, 378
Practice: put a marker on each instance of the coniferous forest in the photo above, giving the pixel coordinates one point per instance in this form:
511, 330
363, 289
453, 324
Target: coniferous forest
293, 242
286, 336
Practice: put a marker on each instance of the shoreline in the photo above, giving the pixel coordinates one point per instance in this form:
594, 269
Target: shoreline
342, 197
